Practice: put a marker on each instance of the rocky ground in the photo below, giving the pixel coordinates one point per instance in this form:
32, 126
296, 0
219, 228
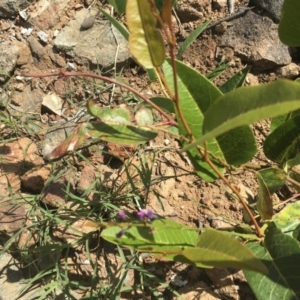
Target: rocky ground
46, 36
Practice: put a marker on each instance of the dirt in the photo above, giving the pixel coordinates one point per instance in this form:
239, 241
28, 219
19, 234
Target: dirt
184, 196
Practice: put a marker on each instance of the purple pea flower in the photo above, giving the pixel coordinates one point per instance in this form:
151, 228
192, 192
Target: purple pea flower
122, 214
146, 213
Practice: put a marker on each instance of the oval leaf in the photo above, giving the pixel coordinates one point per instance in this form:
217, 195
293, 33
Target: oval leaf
281, 256
109, 132
283, 143
247, 105
287, 220
289, 26
163, 237
219, 250
196, 94
145, 41
264, 203
144, 116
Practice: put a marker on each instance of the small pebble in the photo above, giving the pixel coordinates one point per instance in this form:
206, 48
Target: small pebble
23, 14
43, 36
88, 23
70, 66
55, 33
26, 31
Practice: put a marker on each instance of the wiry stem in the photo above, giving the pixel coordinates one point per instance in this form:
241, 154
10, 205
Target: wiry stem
107, 79
203, 153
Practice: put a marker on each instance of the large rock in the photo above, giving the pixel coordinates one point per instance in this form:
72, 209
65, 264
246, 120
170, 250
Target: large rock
9, 8
101, 44
46, 14
12, 54
255, 40
273, 7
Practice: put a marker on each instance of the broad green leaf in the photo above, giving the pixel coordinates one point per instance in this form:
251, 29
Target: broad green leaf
289, 26
281, 256
296, 233
177, 242
109, 132
235, 81
119, 5
283, 143
188, 41
289, 164
219, 250
164, 103
117, 24
274, 178
151, 74
196, 94
162, 236
120, 134
288, 218
144, 116
281, 119
238, 145
145, 41
247, 105
264, 202
119, 115
296, 177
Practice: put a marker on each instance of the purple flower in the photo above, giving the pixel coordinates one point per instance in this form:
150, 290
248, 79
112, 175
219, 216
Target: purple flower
120, 233
146, 213
122, 214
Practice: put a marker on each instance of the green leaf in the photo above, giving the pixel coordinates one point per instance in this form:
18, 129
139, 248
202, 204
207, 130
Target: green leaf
164, 103
296, 233
177, 242
117, 24
281, 256
188, 41
264, 203
295, 175
145, 41
235, 81
289, 164
119, 5
219, 250
109, 132
281, 119
196, 94
247, 105
144, 116
288, 218
221, 67
289, 26
274, 178
121, 134
119, 115
162, 236
283, 143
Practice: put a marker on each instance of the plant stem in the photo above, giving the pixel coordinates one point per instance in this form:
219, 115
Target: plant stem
202, 152
107, 79
234, 189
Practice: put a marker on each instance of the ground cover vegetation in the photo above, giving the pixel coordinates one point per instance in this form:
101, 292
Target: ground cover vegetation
213, 126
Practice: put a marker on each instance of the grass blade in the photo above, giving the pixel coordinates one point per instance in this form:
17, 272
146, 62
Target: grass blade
190, 39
